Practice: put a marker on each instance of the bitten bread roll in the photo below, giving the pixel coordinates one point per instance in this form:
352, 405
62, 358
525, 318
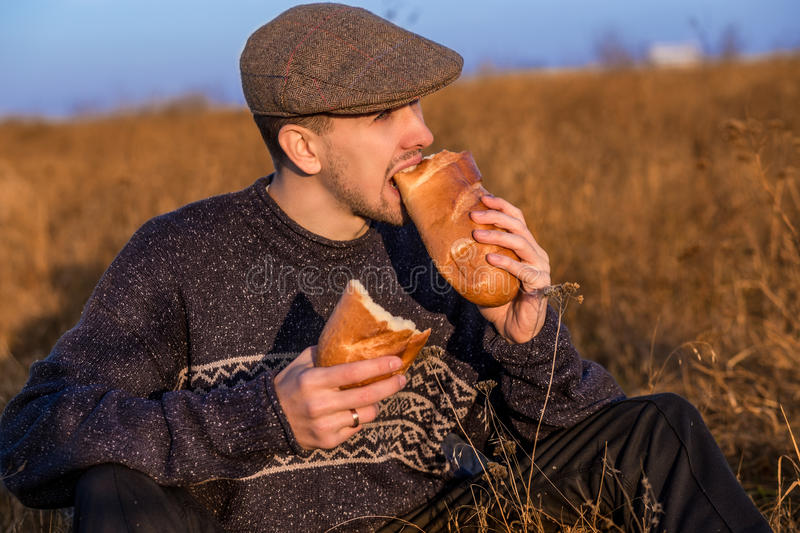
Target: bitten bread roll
360, 329
439, 194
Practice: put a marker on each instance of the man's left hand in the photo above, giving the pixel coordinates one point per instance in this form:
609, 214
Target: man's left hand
521, 319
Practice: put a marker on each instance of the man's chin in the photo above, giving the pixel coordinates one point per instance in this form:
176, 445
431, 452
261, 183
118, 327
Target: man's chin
394, 218
398, 221
402, 220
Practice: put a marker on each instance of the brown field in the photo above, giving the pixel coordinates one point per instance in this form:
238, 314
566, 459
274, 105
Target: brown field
671, 196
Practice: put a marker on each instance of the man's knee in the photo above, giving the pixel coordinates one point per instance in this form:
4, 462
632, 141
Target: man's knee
97, 480
668, 417
673, 404
108, 480
674, 409
112, 497
100, 498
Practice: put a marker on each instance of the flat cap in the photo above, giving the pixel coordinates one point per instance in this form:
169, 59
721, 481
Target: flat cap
333, 58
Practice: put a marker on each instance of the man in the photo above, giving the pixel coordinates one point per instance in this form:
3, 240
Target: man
186, 399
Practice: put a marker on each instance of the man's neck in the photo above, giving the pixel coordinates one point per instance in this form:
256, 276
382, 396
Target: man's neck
307, 202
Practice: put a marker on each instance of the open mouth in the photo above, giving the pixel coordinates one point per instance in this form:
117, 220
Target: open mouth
411, 163
408, 169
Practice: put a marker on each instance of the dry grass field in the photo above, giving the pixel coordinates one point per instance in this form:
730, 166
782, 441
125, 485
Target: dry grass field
671, 196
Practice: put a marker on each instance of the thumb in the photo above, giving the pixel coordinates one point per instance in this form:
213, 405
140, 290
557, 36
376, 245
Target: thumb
305, 359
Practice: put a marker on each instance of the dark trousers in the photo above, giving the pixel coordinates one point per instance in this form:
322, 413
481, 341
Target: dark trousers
647, 464
111, 498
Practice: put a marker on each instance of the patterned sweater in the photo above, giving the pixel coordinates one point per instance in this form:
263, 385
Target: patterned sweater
170, 372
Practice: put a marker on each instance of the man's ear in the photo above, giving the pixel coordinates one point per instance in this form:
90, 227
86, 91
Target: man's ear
300, 146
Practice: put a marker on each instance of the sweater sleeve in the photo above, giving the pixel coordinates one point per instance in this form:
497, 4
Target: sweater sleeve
105, 395
577, 387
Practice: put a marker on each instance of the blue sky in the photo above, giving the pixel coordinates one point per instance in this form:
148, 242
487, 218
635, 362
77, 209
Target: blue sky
62, 57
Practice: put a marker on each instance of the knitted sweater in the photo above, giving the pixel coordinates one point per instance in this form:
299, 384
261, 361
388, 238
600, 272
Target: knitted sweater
170, 372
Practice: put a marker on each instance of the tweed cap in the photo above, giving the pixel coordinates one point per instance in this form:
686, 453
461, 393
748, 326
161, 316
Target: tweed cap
333, 58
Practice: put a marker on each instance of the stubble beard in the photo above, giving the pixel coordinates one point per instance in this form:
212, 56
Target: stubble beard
353, 199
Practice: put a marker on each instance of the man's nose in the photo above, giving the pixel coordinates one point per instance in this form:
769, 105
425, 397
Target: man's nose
416, 134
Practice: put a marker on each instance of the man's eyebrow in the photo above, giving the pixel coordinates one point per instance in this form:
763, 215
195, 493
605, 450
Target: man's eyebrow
373, 114
395, 108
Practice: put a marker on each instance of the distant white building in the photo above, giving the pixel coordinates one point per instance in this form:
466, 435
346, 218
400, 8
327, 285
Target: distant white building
674, 54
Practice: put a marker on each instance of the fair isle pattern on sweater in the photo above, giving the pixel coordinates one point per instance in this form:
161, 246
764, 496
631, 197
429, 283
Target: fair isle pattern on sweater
227, 373
410, 428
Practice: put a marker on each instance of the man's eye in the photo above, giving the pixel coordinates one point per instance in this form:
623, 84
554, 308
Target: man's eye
383, 114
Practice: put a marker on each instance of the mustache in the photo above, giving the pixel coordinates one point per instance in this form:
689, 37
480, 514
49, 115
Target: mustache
404, 157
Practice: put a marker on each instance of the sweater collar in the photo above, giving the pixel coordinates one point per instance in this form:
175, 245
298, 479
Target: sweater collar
272, 207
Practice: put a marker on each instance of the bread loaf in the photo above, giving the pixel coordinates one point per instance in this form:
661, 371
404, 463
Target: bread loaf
361, 329
439, 194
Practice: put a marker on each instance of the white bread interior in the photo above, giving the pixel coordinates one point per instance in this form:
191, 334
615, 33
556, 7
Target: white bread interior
395, 323
359, 329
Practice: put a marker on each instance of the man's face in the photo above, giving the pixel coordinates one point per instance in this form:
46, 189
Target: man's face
362, 153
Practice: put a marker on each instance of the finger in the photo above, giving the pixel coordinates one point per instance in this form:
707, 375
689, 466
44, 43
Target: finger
523, 248
356, 372
334, 404
370, 394
514, 226
499, 204
532, 278
365, 416
346, 433
499, 219
305, 359
300, 365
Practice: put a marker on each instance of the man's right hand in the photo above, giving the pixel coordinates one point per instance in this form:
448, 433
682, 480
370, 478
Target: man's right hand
319, 411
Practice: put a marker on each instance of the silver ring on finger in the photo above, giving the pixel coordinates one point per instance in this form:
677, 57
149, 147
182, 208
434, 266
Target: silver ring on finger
356, 420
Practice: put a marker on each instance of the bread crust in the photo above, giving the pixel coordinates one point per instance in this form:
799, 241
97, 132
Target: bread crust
354, 333
439, 195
